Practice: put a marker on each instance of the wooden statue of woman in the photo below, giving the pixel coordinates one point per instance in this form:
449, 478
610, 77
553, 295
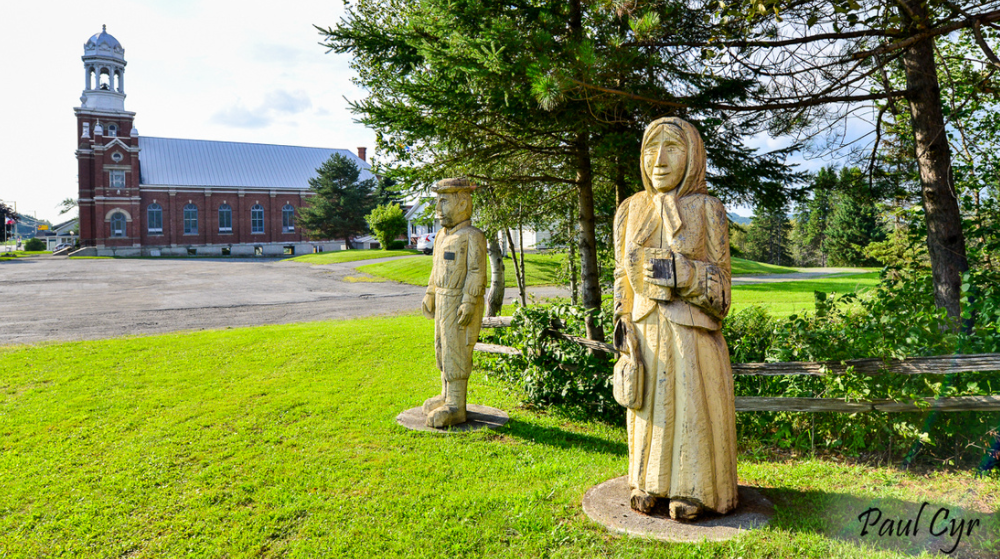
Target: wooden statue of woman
672, 290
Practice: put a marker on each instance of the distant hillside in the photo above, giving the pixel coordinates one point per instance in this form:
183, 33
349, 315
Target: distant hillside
738, 219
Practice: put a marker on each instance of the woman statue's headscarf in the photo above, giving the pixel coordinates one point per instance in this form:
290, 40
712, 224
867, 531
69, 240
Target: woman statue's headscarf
693, 181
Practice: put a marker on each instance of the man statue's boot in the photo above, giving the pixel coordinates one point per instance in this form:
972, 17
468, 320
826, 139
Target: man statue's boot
453, 410
435, 402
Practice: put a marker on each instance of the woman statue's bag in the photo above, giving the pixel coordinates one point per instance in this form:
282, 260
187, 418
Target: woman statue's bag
629, 374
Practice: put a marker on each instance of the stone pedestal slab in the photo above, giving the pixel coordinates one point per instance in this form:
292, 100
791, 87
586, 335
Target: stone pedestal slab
608, 504
477, 417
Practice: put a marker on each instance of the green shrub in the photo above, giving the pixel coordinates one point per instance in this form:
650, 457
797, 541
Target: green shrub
551, 371
34, 244
387, 222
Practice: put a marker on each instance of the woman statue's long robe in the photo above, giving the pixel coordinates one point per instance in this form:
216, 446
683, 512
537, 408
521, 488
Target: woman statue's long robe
682, 440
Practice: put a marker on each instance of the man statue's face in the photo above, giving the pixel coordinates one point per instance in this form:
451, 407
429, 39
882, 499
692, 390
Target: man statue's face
664, 157
452, 209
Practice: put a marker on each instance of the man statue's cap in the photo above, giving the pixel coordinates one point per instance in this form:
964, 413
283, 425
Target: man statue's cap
453, 185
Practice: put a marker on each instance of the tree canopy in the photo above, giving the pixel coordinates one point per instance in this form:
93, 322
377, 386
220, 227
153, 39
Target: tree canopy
818, 61
481, 89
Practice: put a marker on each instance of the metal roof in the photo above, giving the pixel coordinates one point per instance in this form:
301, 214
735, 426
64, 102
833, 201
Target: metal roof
175, 162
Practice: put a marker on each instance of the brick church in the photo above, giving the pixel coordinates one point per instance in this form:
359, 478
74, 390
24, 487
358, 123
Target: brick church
142, 195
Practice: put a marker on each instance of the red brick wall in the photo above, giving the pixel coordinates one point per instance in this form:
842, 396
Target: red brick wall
208, 216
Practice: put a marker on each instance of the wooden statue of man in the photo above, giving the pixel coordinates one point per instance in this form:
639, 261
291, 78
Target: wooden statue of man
454, 299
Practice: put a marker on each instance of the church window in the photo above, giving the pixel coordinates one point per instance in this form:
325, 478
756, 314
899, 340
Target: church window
117, 224
225, 219
257, 219
117, 157
112, 130
154, 219
190, 219
117, 179
288, 218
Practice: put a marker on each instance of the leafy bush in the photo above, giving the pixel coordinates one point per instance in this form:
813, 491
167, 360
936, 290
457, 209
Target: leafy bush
387, 222
551, 371
34, 244
896, 320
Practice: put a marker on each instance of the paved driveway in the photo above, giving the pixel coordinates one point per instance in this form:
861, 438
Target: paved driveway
52, 298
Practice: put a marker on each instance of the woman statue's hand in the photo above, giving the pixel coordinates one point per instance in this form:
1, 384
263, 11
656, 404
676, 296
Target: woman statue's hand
659, 272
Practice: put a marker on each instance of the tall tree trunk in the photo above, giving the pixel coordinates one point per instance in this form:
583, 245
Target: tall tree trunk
621, 187
588, 236
494, 300
574, 284
517, 268
523, 280
945, 240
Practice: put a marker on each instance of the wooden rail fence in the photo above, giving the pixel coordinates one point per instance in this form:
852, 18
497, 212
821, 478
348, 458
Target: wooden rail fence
938, 365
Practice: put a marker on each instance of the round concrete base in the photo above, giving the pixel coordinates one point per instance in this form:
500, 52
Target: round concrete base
608, 504
476, 417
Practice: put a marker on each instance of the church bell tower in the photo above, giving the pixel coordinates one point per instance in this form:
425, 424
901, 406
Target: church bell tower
108, 149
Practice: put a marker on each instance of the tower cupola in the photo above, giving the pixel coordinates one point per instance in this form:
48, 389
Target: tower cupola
104, 73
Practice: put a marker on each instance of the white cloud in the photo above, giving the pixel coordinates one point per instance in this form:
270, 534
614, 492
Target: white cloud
284, 102
238, 116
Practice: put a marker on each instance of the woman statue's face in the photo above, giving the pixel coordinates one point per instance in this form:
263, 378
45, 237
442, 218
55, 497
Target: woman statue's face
664, 157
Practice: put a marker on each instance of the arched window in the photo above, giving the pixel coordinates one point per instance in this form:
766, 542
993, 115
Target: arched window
117, 224
190, 219
257, 219
105, 79
225, 219
287, 219
154, 219
112, 130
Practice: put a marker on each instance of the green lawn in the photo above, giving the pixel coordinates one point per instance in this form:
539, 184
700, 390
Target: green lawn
280, 441
335, 257
741, 267
792, 297
540, 269
23, 253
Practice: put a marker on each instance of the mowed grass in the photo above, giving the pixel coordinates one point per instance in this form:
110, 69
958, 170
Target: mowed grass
742, 267
354, 255
541, 268
281, 441
23, 253
795, 297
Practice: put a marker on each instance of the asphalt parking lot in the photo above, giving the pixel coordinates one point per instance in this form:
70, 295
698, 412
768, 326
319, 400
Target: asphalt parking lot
59, 299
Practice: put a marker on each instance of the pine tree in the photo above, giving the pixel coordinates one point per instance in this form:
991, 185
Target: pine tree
816, 218
767, 236
853, 226
341, 201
